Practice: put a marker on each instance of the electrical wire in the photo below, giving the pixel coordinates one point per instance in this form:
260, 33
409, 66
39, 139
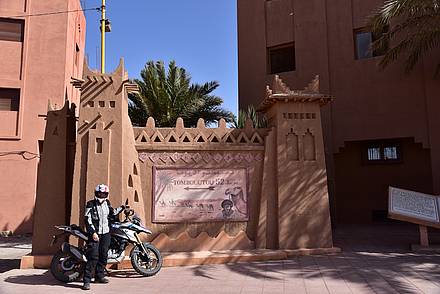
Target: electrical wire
53, 13
25, 154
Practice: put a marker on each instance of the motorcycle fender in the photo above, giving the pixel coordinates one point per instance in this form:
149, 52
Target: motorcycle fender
74, 251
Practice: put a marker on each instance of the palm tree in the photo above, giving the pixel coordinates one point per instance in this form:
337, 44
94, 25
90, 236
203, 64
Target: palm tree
409, 28
249, 113
167, 95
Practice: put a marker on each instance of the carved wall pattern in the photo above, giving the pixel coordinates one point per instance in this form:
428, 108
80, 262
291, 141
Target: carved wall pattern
306, 141
292, 146
309, 146
299, 115
173, 157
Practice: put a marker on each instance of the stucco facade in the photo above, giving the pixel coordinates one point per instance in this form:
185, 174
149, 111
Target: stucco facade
283, 183
37, 65
371, 106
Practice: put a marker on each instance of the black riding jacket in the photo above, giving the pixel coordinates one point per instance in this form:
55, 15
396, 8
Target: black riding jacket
92, 215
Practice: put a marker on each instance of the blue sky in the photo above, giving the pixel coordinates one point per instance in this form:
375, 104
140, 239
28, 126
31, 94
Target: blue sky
201, 35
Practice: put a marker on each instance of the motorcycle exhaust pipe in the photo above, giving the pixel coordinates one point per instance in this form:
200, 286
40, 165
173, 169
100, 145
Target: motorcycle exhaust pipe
74, 251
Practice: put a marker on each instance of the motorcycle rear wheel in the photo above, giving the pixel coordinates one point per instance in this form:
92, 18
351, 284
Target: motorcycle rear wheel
146, 265
65, 268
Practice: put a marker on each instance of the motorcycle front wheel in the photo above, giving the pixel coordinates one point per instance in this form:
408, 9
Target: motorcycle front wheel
65, 268
147, 264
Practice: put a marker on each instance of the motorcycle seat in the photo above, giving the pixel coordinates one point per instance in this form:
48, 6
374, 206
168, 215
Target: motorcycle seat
76, 227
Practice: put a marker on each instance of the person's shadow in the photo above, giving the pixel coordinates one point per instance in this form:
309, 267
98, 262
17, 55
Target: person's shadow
45, 278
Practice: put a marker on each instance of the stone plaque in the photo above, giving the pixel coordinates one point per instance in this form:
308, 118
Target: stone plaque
199, 195
413, 204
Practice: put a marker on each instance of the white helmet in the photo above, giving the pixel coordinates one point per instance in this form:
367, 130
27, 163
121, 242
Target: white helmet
101, 191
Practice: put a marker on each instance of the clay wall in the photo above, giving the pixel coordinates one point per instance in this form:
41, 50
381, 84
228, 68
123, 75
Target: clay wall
105, 149
287, 200
202, 148
366, 197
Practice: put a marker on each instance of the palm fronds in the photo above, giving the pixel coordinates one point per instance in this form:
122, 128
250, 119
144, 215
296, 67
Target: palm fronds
166, 94
250, 113
410, 27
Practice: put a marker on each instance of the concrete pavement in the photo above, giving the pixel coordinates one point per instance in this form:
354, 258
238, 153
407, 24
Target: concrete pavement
375, 260
359, 272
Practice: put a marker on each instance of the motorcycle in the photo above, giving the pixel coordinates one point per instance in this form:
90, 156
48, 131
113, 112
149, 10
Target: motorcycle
69, 262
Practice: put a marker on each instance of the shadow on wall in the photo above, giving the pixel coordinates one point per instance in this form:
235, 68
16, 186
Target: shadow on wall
25, 226
308, 204
309, 198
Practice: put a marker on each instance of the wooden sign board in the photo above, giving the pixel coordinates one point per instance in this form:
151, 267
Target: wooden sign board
199, 195
415, 207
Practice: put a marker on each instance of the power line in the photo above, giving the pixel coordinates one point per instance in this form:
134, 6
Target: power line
25, 154
53, 13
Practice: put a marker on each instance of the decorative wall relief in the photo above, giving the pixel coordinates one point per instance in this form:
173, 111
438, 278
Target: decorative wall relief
169, 157
292, 146
309, 146
299, 115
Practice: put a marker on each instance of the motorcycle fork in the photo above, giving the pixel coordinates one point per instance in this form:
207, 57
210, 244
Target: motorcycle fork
140, 242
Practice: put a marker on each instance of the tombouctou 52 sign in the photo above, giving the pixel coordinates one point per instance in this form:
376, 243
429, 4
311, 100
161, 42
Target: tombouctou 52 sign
199, 195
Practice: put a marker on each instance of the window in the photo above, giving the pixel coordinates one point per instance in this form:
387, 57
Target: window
11, 30
9, 99
281, 58
374, 153
382, 152
363, 40
76, 54
98, 145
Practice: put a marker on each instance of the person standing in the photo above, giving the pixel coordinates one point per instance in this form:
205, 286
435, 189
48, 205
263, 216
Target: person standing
98, 215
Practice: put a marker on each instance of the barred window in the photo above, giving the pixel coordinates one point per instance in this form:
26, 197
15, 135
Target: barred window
386, 151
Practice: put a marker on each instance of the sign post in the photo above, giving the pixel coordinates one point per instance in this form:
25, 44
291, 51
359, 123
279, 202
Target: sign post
417, 208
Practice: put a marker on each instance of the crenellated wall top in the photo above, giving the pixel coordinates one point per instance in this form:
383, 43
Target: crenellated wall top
200, 137
279, 91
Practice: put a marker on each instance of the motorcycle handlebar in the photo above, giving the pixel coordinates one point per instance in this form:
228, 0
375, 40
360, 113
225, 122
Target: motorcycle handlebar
128, 212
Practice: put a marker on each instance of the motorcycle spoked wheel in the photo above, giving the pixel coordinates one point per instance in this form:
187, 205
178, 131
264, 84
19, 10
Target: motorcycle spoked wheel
65, 268
146, 264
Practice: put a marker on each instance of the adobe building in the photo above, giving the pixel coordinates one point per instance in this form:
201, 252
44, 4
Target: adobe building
40, 53
197, 189
382, 128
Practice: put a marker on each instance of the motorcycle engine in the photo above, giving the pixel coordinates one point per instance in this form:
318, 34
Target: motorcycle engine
114, 254
117, 248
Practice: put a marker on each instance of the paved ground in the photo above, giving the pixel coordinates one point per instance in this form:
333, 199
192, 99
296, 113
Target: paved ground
375, 260
11, 250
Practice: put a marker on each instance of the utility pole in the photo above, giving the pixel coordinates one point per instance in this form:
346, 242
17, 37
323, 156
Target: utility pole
105, 28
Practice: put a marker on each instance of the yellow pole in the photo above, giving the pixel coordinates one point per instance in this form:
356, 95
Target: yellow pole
103, 37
